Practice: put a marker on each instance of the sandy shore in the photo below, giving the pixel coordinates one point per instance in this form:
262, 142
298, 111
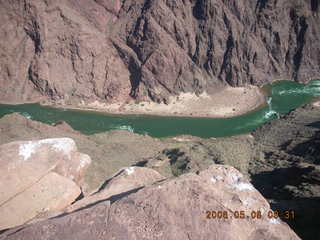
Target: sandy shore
226, 103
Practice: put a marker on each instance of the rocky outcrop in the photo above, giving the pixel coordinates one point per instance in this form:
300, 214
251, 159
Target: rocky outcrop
286, 167
185, 154
149, 49
123, 181
38, 177
52, 193
175, 209
109, 151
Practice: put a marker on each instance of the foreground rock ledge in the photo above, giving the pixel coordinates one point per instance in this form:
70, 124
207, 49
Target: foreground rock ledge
174, 209
38, 177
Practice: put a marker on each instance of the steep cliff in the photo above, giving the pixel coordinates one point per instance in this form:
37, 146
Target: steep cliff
151, 49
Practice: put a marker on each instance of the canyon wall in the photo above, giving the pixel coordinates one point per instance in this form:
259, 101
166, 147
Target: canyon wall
112, 50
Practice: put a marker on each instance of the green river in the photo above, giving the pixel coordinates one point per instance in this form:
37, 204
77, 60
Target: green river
283, 97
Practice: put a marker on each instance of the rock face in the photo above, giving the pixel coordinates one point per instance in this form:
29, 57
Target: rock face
286, 169
174, 209
125, 180
109, 50
185, 154
38, 177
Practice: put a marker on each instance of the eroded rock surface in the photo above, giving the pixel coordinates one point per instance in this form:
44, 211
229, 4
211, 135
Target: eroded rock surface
185, 154
38, 177
286, 168
52, 193
174, 209
125, 180
149, 49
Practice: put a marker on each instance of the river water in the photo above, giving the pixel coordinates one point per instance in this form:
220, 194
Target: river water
283, 97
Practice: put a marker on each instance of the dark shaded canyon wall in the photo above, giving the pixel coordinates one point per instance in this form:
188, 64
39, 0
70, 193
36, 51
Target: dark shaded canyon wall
110, 49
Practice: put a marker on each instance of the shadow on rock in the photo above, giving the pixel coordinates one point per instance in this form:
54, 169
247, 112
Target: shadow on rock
281, 183
305, 212
286, 189
314, 124
310, 149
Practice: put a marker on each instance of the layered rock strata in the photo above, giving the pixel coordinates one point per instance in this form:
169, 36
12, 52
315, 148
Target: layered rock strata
104, 50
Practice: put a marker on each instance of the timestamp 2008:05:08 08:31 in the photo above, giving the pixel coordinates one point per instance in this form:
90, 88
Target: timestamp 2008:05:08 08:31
288, 214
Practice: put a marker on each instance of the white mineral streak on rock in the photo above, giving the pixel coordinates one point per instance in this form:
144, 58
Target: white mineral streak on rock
27, 149
85, 160
219, 178
64, 145
238, 184
216, 178
244, 186
235, 178
130, 170
213, 179
274, 221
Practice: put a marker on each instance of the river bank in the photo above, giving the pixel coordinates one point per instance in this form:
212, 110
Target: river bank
206, 120
226, 103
